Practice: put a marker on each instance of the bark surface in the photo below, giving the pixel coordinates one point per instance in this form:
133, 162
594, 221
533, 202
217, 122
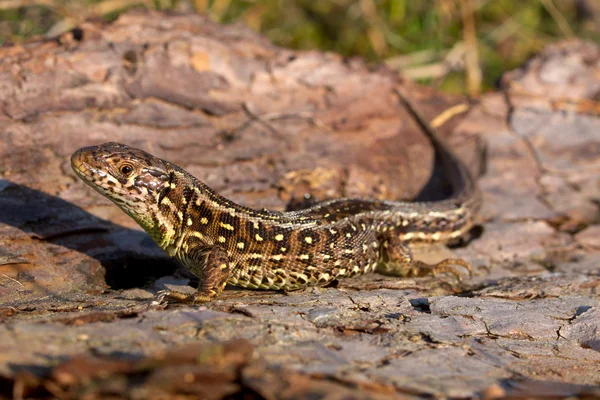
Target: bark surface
264, 126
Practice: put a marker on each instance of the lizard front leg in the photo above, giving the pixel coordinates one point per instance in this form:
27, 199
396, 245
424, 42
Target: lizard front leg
212, 265
396, 259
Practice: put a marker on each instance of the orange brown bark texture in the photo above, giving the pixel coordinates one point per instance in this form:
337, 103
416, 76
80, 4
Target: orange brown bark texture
263, 126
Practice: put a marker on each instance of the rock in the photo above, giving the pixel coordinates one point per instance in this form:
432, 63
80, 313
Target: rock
264, 126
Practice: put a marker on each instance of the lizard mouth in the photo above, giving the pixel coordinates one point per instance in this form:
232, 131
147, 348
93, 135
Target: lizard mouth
76, 160
83, 165
79, 164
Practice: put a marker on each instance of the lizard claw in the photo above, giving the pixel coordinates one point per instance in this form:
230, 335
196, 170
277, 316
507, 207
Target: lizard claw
160, 298
165, 296
445, 266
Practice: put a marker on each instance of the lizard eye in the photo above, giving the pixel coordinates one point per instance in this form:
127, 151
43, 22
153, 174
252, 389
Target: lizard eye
126, 169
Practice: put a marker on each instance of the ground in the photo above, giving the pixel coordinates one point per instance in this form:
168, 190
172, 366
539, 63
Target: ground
263, 126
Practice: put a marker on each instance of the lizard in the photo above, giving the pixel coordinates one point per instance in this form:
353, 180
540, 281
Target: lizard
223, 242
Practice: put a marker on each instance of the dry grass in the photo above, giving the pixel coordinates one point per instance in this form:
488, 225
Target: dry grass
458, 45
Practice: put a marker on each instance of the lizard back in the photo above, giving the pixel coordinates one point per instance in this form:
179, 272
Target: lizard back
276, 250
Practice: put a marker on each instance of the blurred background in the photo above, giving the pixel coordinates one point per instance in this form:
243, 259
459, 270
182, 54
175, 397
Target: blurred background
460, 46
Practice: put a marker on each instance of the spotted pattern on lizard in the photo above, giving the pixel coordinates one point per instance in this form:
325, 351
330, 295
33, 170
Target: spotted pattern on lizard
223, 242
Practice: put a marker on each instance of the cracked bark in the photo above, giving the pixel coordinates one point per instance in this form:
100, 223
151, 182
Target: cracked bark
265, 125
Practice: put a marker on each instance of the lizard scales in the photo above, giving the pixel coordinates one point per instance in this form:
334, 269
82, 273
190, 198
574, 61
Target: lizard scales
223, 242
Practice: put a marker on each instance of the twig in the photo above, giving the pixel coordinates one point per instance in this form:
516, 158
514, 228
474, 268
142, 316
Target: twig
12, 279
415, 58
449, 113
431, 71
453, 60
557, 16
375, 32
471, 55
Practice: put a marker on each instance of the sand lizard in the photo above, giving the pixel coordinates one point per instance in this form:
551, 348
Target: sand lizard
222, 242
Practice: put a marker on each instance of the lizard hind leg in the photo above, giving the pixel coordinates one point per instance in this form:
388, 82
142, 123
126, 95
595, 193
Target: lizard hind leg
212, 266
396, 259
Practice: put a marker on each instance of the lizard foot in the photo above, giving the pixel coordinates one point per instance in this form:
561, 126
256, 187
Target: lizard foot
448, 265
173, 296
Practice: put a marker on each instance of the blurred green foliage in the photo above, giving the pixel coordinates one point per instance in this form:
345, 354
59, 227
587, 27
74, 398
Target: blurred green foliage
508, 32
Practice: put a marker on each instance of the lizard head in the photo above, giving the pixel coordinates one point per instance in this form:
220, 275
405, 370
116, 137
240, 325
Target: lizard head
133, 179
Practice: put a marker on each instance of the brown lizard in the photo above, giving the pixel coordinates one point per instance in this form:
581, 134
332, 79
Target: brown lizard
223, 242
